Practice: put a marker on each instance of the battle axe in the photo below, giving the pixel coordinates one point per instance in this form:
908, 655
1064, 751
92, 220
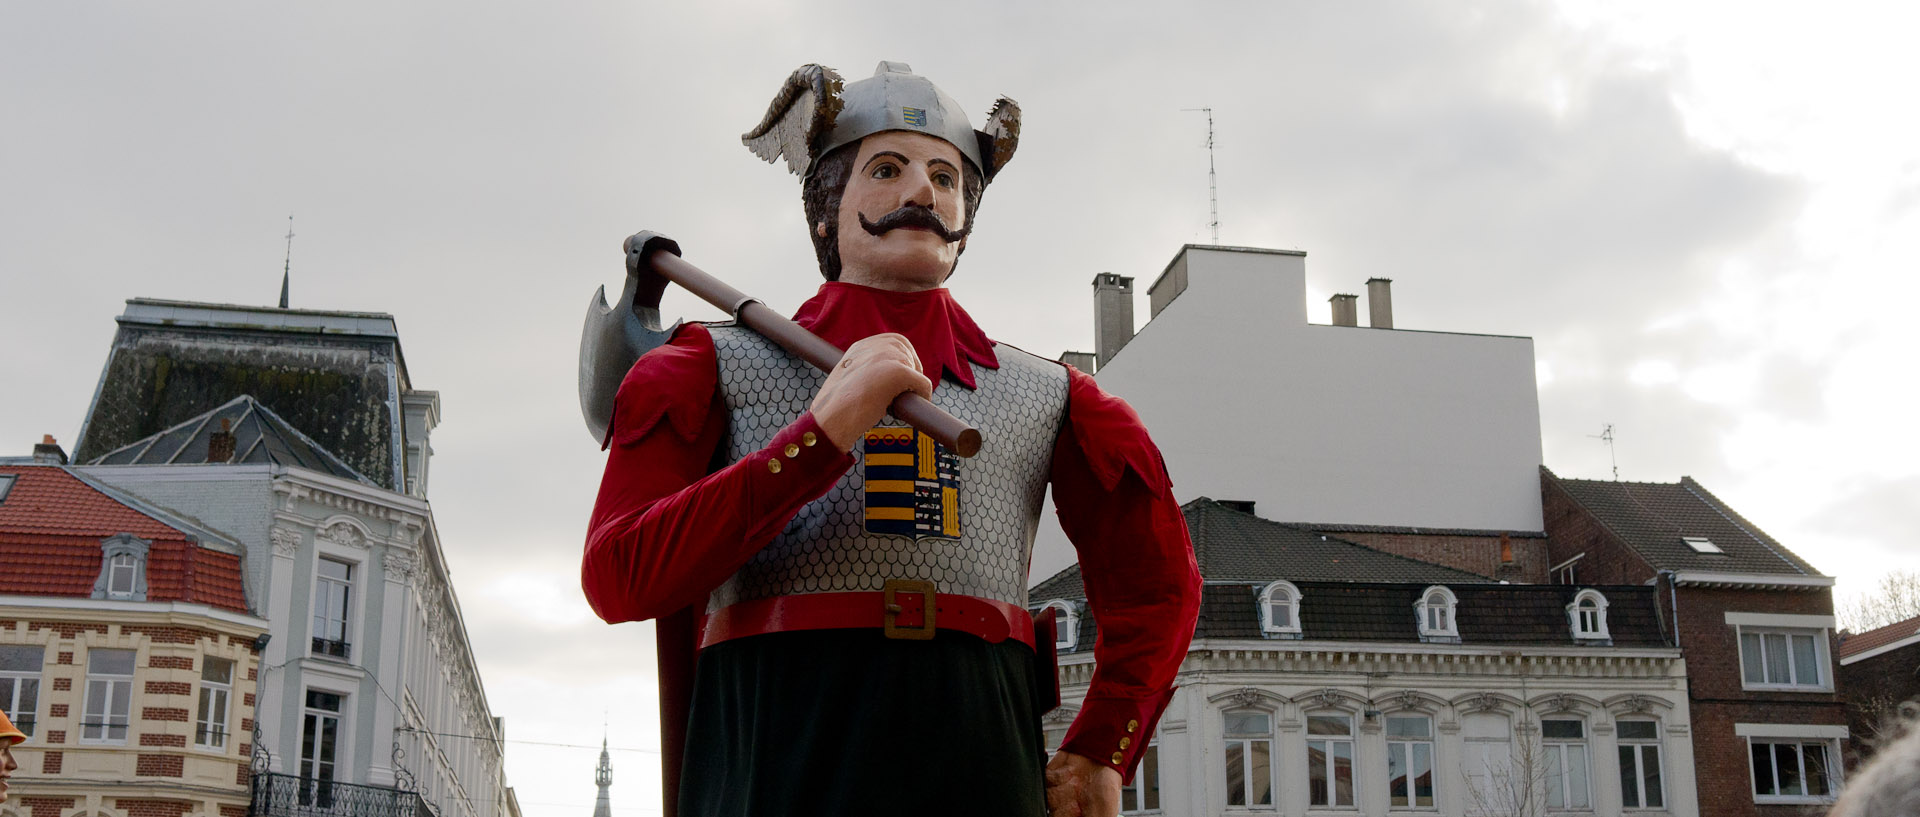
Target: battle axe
614, 337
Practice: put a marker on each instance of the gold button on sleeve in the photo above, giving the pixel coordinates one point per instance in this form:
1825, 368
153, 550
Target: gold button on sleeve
809, 438
1117, 757
773, 465
793, 450
1125, 742
1133, 726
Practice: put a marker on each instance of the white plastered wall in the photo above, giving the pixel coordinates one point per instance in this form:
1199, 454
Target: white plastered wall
1325, 424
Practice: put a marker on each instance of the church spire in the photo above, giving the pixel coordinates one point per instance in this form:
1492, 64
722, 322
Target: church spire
603, 776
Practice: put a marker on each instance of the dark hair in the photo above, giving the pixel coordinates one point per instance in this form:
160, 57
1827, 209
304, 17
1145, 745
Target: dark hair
827, 181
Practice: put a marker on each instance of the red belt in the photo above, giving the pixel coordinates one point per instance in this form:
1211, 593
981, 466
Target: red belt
900, 611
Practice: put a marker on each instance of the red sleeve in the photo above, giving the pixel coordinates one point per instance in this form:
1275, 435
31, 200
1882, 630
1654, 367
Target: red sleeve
664, 531
1116, 504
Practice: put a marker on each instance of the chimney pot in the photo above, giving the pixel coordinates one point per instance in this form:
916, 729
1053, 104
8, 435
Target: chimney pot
1506, 549
1345, 311
1380, 303
48, 451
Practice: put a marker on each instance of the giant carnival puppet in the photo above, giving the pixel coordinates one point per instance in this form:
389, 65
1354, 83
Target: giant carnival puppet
841, 597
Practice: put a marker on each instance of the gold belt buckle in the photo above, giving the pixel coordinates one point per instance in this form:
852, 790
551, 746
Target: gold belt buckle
889, 596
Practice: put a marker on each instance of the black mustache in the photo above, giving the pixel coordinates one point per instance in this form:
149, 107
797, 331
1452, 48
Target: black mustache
914, 215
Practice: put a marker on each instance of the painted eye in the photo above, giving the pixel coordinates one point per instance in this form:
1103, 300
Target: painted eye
943, 179
885, 172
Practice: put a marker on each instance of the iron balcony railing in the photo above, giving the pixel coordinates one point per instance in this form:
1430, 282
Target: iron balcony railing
286, 795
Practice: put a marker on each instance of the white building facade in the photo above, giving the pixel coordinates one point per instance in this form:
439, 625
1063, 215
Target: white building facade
369, 698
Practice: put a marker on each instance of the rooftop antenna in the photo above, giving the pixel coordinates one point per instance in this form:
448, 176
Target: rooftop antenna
1606, 436
1213, 191
286, 272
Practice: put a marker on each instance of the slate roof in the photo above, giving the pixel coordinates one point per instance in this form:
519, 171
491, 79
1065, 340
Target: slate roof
1879, 637
1233, 545
337, 376
259, 436
1355, 593
51, 524
1652, 517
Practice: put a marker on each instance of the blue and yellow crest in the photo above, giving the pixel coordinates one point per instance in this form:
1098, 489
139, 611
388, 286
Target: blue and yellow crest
913, 485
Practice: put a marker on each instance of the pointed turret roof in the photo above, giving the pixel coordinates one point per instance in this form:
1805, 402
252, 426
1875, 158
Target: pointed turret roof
603, 776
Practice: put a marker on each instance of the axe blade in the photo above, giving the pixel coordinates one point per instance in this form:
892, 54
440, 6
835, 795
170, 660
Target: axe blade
614, 336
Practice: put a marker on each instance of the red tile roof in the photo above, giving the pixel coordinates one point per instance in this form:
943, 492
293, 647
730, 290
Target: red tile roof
51, 524
1877, 638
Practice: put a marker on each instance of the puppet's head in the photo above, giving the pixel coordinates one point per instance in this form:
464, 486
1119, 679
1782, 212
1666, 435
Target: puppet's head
817, 122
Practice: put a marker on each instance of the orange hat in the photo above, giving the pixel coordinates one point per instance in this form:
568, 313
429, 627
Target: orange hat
9, 733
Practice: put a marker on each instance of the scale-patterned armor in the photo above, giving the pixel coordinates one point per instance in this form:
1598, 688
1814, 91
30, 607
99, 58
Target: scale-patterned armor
1018, 408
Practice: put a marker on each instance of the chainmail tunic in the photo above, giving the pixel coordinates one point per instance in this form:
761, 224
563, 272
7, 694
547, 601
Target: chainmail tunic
1018, 408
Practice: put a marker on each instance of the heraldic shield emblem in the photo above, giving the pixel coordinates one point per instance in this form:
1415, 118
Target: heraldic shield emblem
913, 485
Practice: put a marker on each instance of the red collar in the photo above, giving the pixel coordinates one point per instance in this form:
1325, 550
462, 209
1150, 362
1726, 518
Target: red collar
945, 336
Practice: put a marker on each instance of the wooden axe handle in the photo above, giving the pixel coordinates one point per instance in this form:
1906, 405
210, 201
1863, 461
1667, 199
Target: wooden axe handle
914, 410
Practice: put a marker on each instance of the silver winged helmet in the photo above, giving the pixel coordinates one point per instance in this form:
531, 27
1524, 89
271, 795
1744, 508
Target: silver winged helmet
813, 113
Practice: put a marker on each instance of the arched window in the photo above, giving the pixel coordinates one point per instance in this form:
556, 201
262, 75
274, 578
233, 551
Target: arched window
1066, 627
1587, 615
123, 568
1436, 609
1280, 609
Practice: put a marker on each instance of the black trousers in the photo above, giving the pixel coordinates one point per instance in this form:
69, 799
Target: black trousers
849, 723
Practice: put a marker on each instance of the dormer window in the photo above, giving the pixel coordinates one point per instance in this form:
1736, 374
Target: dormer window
1066, 625
1588, 616
1280, 610
1436, 615
123, 568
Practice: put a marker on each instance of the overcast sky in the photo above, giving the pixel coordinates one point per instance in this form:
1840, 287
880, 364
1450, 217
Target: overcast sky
1707, 216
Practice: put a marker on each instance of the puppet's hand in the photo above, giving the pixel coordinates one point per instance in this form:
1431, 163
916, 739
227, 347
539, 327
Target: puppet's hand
857, 392
1078, 787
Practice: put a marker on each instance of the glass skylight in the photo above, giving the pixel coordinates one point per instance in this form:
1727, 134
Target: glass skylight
1701, 544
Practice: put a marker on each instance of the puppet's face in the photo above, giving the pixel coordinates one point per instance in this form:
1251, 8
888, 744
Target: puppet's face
886, 239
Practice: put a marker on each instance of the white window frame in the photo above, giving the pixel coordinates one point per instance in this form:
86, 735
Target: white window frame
356, 574
1066, 632
1246, 742
1638, 753
1576, 622
1353, 762
1408, 746
100, 688
130, 551
1823, 661
1146, 783
214, 706
341, 742
1557, 749
1449, 607
26, 716
1282, 592
1830, 746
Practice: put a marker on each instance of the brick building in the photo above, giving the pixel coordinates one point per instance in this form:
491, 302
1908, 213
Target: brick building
1754, 621
127, 650
1879, 670
1326, 676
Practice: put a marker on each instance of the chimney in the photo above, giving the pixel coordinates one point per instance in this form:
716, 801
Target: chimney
220, 443
1345, 311
49, 452
1506, 549
1380, 303
1112, 315
1084, 361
